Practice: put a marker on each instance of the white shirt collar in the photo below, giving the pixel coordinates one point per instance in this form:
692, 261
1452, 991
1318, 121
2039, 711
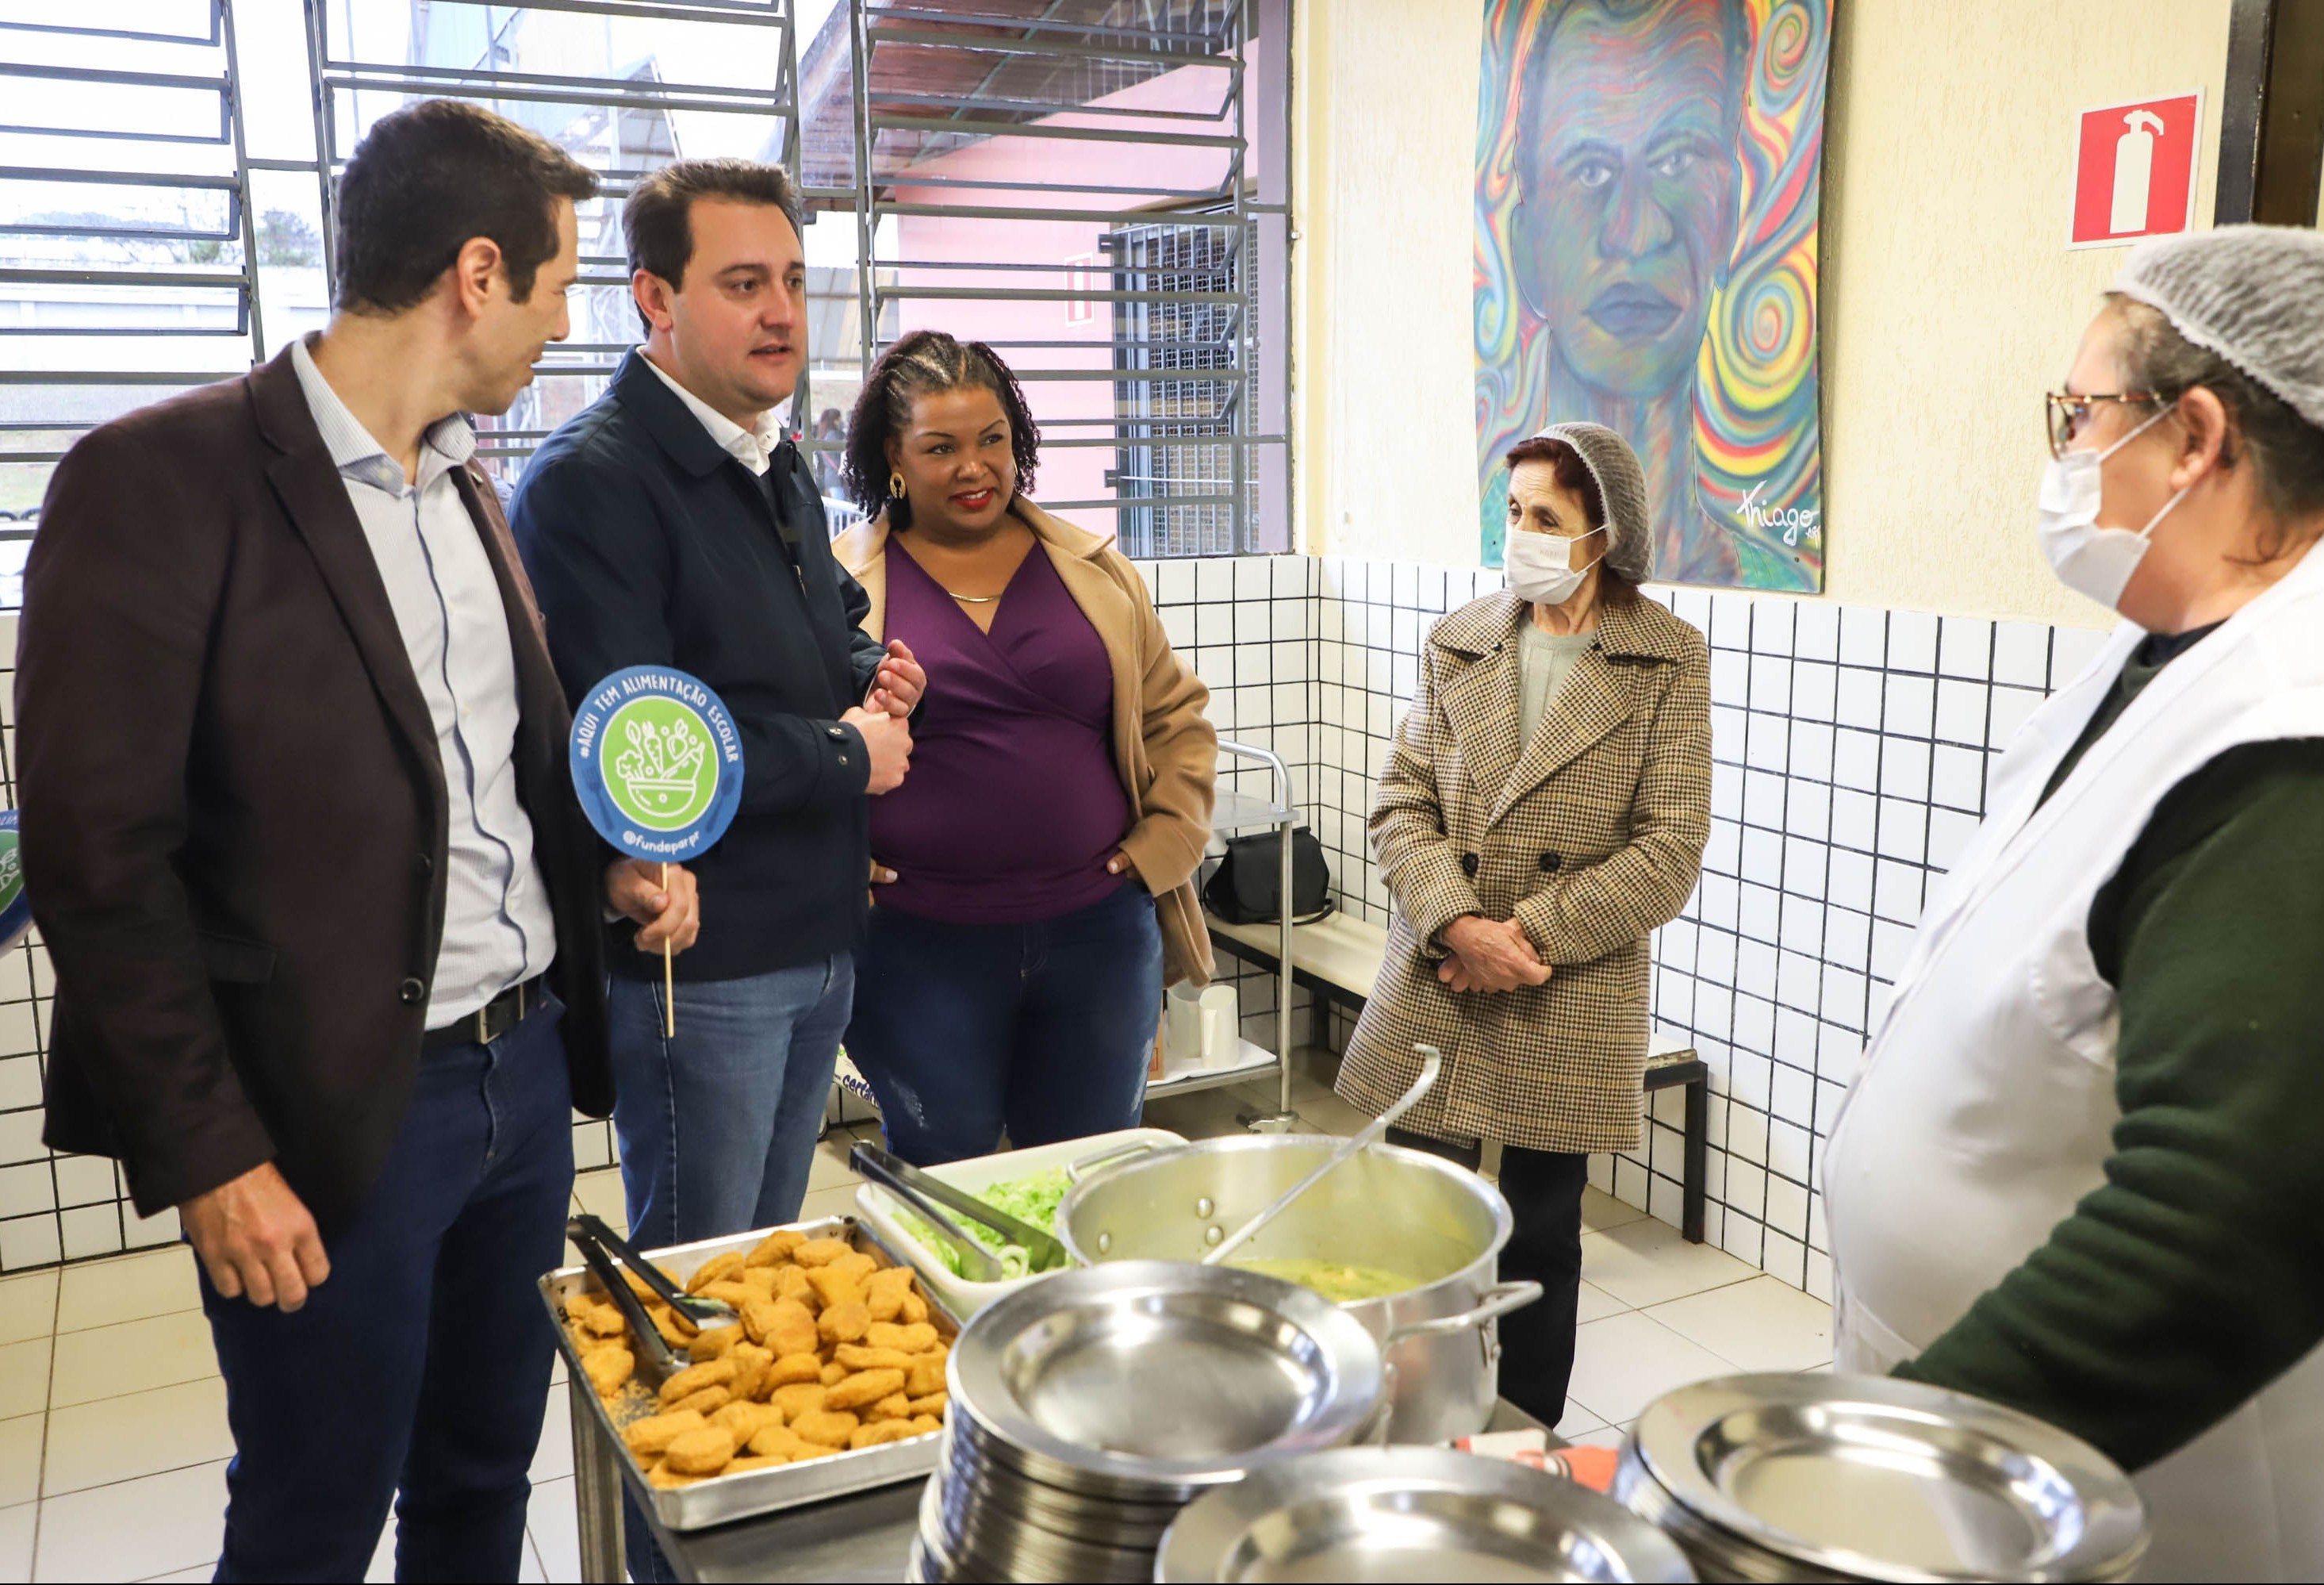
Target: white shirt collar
356, 453
752, 450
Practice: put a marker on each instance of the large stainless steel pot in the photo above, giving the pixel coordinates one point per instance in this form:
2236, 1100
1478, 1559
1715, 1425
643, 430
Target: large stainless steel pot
1396, 1210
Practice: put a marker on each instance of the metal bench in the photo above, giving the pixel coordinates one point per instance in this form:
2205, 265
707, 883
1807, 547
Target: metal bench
1338, 958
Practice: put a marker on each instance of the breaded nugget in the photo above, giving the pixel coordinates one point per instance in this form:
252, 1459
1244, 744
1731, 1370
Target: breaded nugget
835, 1287
694, 1377
758, 1318
880, 1432
649, 1438
894, 1406
743, 1463
843, 1322
717, 1268
924, 1424
916, 1338
700, 1452
712, 1343
663, 1479
791, 1283
821, 1251
777, 1441
926, 1375
776, 1247
707, 1402
751, 1364
863, 1357
799, 1397
599, 1317
831, 1428
608, 1368
935, 1402
857, 1265
914, 1310
884, 1290
834, 1373
760, 1280
864, 1387
638, 1285
732, 1294
793, 1367
746, 1420
675, 1330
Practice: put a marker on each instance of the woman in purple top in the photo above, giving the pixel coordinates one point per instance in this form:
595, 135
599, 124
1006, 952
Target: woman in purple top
1035, 872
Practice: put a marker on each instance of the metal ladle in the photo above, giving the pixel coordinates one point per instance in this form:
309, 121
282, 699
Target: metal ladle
1432, 1061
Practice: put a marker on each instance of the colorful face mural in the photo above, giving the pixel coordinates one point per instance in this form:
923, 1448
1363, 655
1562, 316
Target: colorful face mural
1647, 214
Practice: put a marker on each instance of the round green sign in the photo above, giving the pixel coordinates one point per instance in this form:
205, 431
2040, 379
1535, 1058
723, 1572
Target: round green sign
659, 765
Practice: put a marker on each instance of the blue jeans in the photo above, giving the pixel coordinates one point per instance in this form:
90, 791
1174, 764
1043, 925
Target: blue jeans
718, 1125
1043, 1030
420, 1366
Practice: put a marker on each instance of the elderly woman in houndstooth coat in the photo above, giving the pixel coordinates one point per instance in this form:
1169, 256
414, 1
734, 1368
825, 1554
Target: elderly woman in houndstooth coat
1543, 807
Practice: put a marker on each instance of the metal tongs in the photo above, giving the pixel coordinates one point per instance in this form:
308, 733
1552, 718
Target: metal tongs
1432, 1063
600, 1245
924, 1194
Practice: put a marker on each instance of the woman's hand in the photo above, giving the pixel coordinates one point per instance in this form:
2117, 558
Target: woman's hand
1120, 865
1489, 954
897, 685
880, 876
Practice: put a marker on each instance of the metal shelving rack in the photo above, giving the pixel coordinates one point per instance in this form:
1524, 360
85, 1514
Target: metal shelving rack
1238, 811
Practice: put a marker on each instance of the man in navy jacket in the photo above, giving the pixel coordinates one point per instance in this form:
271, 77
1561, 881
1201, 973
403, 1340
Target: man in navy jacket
671, 524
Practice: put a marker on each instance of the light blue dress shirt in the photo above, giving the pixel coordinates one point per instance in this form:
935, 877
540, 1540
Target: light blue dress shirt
498, 930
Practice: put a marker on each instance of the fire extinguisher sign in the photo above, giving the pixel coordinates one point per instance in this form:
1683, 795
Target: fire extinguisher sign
2134, 170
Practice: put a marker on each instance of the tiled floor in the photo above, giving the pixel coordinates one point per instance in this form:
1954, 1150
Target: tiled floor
112, 1438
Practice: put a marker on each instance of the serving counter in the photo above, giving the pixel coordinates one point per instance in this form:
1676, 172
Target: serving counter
866, 1536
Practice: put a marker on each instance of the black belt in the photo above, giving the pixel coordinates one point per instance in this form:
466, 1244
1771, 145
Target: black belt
489, 1022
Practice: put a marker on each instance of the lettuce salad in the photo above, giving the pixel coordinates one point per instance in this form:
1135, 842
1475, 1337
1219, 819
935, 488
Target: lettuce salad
1033, 1200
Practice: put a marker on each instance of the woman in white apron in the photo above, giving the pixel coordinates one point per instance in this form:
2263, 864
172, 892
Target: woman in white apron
2083, 1171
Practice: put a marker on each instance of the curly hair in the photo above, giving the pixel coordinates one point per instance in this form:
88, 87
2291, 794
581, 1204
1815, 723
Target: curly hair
927, 362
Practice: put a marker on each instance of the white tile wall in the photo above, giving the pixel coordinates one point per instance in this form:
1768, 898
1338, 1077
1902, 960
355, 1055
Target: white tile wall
1852, 747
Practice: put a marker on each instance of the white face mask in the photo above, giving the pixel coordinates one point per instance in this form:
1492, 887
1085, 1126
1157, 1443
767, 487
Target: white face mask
1540, 566
2088, 560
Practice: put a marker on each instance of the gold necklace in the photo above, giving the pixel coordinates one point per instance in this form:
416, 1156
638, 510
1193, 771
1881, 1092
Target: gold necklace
973, 599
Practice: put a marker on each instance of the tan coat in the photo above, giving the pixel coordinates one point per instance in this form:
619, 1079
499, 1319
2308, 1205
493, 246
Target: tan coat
1164, 749
1589, 835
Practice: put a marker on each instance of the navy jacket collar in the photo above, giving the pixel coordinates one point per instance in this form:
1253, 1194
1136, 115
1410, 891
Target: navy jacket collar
675, 430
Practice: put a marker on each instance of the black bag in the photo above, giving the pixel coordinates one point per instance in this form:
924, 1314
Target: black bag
1245, 888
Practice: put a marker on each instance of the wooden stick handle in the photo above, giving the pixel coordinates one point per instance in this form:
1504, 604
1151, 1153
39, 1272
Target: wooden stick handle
668, 973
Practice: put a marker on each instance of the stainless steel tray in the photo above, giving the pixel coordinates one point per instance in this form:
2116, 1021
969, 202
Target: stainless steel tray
727, 1497
1411, 1513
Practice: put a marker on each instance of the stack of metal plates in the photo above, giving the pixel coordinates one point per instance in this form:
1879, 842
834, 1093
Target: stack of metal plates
1860, 1478
1412, 1513
1088, 1409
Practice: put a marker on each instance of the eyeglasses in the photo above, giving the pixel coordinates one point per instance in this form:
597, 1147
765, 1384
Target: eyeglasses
2070, 413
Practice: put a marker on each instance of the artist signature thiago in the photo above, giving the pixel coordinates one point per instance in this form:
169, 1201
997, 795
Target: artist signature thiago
1792, 520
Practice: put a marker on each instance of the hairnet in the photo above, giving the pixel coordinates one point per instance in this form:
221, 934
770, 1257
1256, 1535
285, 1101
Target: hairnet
2253, 294
1622, 486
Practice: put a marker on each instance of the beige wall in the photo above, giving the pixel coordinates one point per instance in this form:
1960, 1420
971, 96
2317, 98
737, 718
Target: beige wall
1949, 300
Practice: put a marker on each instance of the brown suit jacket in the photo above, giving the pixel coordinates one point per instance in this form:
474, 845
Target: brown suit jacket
234, 813
1165, 750
1589, 835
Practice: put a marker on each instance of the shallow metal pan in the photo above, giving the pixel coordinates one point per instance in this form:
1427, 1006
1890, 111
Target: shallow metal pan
727, 1497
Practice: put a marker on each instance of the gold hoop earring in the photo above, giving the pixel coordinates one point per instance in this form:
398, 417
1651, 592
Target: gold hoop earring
895, 484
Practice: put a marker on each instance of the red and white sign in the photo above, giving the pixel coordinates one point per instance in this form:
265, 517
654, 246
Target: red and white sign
2134, 170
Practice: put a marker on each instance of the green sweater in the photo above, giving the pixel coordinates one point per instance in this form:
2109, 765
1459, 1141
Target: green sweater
2195, 1275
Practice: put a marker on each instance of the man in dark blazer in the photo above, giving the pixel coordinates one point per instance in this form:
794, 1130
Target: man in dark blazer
324, 914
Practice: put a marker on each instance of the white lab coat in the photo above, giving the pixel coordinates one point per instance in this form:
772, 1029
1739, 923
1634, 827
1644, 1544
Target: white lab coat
1987, 1104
